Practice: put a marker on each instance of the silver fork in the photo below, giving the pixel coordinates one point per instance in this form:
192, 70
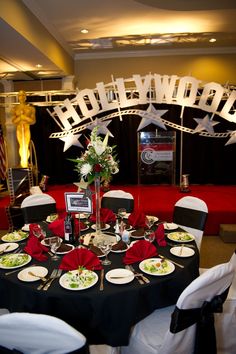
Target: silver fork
49, 283
53, 274
129, 267
146, 280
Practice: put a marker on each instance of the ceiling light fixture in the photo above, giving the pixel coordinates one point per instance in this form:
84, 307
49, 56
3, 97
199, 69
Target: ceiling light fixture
84, 30
38, 66
212, 40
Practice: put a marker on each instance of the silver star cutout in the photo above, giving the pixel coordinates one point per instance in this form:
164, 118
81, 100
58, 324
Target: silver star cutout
232, 139
205, 124
102, 127
70, 140
81, 185
152, 116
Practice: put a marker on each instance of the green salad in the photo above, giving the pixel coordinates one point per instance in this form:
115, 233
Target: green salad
81, 278
15, 236
157, 266
13, 260
181, 236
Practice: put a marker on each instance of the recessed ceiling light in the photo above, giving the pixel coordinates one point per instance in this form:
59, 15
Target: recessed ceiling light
38, 66
212, 40
84, 30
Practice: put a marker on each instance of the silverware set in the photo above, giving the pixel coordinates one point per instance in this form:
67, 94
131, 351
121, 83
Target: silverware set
139, 276
101, 287
56, 273
170, 260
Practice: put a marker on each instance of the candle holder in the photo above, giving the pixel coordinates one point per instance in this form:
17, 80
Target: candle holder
184, 185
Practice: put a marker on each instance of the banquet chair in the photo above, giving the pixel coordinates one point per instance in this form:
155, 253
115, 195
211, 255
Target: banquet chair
190, 213
118, 199
187, 327
31, 333
37, 207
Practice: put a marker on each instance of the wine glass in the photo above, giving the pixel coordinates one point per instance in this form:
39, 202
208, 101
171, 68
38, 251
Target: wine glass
149, 236
122, 213
149, 221
55, 243
105, 247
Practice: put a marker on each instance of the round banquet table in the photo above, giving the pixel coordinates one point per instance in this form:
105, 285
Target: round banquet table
104, 317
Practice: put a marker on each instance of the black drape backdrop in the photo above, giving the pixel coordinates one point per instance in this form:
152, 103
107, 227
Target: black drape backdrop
206, 159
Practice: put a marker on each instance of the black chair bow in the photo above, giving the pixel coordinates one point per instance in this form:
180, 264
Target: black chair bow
205, 338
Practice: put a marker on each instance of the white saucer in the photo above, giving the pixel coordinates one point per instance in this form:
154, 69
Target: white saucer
11, 246
185, 252
24, 275
170, 226
126, 276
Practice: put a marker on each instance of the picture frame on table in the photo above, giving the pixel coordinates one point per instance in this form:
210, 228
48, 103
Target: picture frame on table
78, 202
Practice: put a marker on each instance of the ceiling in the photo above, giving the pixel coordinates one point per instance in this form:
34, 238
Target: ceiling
115, 28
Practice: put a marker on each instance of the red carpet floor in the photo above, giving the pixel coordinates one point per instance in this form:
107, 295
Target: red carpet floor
160, 200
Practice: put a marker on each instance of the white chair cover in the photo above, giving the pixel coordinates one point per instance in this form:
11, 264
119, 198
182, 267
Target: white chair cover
187, 222
38, 334
37, 199
103, 349
152, 335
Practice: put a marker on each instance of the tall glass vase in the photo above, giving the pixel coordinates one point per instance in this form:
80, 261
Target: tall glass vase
97, 205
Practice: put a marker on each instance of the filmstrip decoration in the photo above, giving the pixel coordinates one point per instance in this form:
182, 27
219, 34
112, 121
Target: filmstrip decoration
150, 89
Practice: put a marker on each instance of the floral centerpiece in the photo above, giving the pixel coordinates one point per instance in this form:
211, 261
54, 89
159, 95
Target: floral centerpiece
96, 165
97, 161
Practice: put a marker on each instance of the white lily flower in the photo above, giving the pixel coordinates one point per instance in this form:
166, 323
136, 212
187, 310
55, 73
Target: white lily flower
85, 169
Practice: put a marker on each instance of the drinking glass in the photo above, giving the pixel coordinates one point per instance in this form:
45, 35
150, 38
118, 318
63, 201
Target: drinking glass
55, 243
149, 236
105, 247
149, 221
121, 213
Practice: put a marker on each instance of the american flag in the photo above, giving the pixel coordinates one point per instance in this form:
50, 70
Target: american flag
3, 162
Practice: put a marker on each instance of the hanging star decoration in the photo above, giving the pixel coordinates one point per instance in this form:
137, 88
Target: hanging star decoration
205, 124
152, 116
102, 127
70, 140
232, 139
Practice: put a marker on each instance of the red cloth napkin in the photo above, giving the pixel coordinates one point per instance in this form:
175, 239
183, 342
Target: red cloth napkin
106, 215
139, 251
80, 257
35, 249
36, 231
160, 235
137, 219
57, 227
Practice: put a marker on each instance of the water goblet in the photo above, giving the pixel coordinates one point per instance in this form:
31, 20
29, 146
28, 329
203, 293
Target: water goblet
105, 247
149, 236
122, 213
55, 243
149, 221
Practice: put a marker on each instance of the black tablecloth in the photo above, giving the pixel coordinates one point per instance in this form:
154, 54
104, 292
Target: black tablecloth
104, 317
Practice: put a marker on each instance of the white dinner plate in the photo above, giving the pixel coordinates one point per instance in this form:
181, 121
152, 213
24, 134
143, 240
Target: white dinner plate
26, 227
107, 226
182, 251
82, 216
78, 280
155, 218
181, 237
121, 276
17, 260
10, 246
64, 252
24, 275
156, 266
15, 236
136, 236
170, 226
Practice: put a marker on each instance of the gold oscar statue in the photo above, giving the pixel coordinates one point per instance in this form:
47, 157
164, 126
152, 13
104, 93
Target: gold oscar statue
23, 117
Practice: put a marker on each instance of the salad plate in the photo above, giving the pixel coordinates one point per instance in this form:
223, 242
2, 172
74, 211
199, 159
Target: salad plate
119, 276
51, 218
15, 236
170, 226
156, 266
14, 260
79, 279
24, 274
179, 251
180, 237
8, 247
106, 227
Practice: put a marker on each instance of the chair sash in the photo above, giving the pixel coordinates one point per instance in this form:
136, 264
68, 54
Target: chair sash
195, 219
38, 213
205, 340
115, 203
